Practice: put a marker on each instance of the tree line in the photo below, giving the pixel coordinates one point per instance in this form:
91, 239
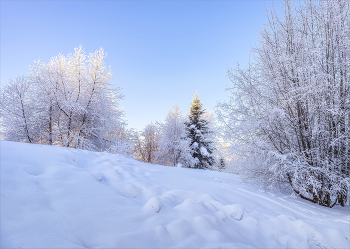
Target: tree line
70, 102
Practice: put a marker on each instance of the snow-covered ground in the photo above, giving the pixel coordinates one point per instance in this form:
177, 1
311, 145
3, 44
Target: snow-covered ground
55, 197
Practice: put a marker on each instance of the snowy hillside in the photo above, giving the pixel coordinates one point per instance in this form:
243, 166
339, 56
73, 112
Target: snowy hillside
55, 197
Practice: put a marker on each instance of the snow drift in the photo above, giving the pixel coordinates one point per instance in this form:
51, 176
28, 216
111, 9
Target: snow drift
54, 197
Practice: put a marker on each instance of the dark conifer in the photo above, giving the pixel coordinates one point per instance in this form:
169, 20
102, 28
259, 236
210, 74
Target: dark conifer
222, 164
197, 129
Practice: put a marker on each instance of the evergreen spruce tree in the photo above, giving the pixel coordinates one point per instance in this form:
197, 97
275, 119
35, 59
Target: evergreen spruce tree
221, 164
197, 130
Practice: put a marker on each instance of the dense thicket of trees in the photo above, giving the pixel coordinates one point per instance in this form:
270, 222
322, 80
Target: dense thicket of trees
67, 102
289, 111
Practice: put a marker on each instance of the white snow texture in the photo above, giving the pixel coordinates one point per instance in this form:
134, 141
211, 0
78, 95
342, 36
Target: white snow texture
54, 197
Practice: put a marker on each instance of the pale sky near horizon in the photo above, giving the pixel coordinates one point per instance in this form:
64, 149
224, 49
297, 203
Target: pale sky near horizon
160, 52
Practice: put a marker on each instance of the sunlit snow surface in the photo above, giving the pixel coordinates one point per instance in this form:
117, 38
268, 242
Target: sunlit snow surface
55, 197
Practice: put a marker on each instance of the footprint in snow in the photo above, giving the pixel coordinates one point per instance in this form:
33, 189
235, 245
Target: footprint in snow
98, 176
220, 215
155, 204
32, 171
236, 211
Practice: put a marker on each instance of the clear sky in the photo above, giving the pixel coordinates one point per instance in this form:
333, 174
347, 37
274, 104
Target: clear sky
161, 52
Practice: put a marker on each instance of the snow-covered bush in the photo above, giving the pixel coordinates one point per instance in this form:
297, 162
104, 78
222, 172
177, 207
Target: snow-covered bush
288, 116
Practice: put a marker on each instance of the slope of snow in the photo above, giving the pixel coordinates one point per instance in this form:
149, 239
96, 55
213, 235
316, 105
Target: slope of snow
55, 197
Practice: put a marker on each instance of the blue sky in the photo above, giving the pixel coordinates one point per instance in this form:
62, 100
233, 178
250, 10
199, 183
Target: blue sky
161, 52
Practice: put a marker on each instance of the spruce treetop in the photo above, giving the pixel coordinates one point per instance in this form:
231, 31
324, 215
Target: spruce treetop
196, 106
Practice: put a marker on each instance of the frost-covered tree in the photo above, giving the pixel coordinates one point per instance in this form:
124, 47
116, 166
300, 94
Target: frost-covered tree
73, 102
18, 111
123, 141
147, 144
216, 138
174, 146
79, 105
198, 130
223, 153
288, 115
